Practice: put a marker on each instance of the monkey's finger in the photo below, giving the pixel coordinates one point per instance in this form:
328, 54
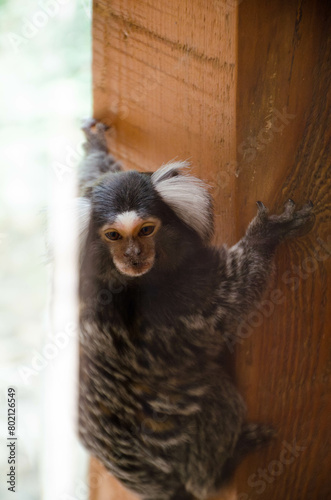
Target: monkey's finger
289, 207
307, 208
262, 209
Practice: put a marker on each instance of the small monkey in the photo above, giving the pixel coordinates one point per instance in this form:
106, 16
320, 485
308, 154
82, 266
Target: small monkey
158, 303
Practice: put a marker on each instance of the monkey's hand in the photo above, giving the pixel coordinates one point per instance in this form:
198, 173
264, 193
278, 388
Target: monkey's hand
272, 229
97, 160
95, 135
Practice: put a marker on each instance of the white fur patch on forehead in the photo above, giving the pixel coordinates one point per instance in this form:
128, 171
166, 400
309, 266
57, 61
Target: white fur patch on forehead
127, 218
127, 222
188, 196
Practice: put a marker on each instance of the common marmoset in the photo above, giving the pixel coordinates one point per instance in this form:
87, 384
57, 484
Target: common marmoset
158, 303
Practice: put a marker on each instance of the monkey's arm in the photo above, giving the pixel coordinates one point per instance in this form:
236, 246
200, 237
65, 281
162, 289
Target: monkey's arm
97, 160
247, 266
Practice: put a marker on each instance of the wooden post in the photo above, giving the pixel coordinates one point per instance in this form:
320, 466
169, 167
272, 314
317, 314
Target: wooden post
165, 74
283, 366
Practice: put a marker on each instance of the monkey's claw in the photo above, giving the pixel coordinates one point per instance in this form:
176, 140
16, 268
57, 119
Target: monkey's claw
308, 207
262, 209
289, 208
261, 205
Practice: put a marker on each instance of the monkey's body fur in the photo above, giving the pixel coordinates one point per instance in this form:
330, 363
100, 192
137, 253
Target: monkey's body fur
156, 406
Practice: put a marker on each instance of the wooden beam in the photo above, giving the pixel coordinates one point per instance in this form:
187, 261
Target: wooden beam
283, 366
165, 74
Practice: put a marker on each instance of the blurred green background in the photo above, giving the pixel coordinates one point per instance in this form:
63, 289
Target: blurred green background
45, 91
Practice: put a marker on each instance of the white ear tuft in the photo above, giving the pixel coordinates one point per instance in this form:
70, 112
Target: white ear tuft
188, 196
78, 210
82, 207
169, 170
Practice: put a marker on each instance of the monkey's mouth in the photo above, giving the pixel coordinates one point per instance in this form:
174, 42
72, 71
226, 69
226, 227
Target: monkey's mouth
135, 268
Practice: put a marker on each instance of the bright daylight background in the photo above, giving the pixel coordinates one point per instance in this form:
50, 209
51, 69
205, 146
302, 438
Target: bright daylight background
45, 91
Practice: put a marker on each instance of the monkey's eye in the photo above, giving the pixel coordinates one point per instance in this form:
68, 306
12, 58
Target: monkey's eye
146, 230
112, 235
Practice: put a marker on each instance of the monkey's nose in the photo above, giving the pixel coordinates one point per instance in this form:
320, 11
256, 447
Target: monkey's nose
132, 252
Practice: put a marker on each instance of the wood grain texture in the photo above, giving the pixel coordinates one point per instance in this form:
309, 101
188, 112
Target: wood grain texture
165, 74
283, 367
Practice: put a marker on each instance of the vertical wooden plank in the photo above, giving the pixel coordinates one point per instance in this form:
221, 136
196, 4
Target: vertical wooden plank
283, 366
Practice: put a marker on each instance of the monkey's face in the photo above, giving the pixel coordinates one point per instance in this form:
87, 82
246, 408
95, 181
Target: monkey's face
131, 242
140, 218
